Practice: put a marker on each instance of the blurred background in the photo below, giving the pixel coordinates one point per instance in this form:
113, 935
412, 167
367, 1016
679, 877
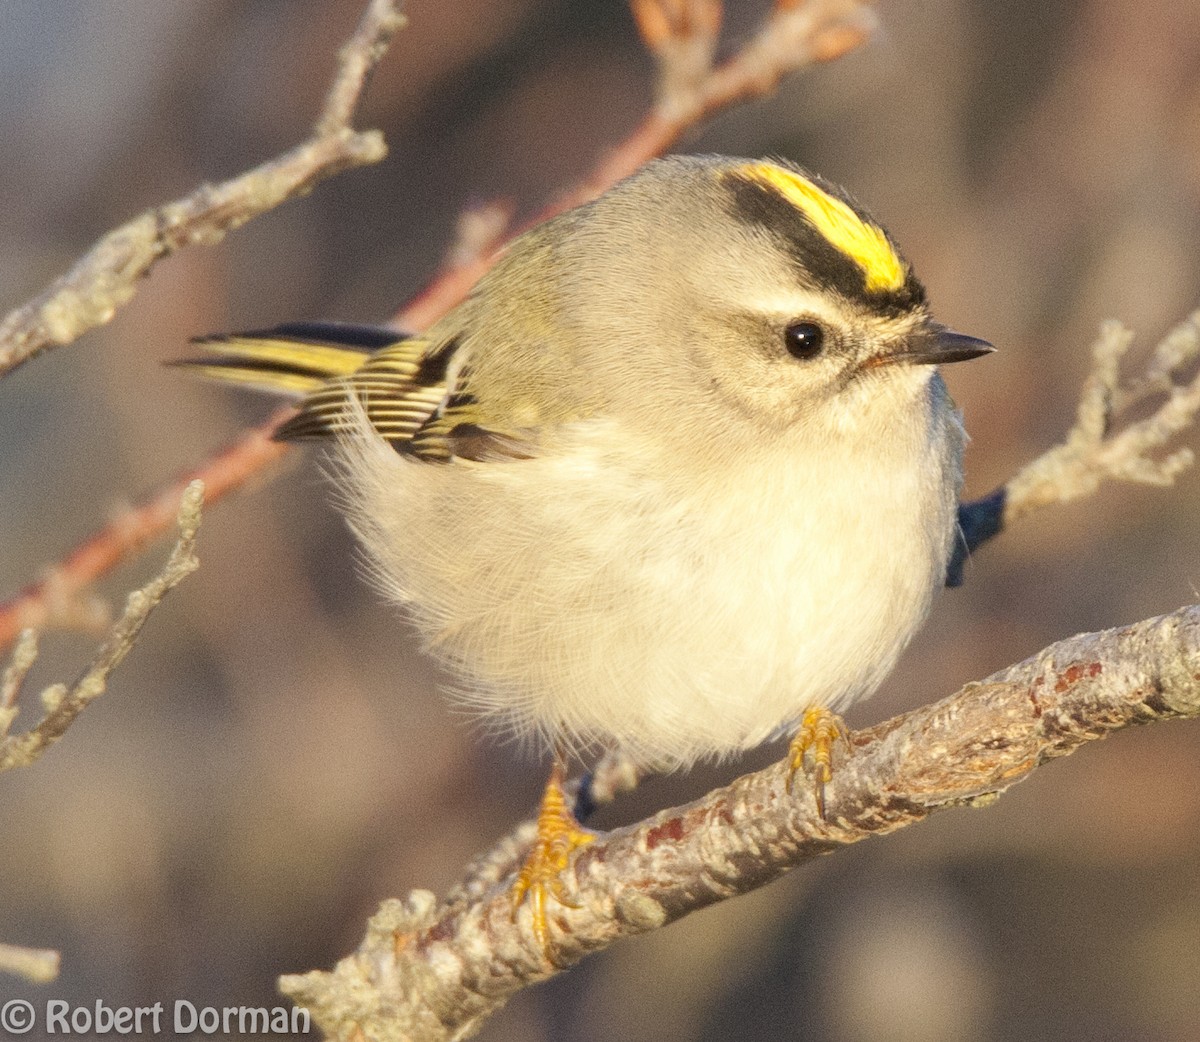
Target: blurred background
274, 759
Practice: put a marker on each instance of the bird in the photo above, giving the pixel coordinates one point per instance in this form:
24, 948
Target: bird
678, 476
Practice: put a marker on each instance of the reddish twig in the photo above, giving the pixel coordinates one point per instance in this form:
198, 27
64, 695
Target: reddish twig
38, 605
791, 39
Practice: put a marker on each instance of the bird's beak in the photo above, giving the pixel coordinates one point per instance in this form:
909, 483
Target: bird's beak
938, 346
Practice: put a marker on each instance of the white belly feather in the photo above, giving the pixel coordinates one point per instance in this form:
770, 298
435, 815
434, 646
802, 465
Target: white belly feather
590, 605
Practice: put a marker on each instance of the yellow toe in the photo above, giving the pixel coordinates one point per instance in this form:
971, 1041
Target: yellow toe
559, 835
813, 743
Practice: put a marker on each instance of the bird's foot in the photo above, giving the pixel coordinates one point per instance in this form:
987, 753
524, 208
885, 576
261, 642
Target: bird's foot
819, 729
559, 835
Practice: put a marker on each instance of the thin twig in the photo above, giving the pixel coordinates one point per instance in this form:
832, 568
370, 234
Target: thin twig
108, 275
430, 971
62, 704
1097, 448
356, 61
1094, 450
682, 35
23, 657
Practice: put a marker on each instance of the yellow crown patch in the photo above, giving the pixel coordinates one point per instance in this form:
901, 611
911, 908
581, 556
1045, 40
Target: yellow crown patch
861, 241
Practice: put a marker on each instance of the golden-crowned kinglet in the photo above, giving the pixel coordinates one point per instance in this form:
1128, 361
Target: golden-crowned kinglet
679, 469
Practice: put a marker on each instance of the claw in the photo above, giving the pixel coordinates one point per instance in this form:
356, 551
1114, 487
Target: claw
819, 729
559, 835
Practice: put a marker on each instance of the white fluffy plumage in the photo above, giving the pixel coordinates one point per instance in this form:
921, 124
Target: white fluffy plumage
600, 597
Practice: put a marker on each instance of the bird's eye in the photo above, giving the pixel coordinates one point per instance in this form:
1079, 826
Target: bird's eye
804, 340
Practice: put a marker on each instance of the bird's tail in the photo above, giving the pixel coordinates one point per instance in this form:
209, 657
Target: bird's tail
294, 359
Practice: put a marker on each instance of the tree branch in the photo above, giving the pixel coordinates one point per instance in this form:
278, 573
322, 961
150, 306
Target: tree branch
1092, 452
1095, 449
62, 704
107, 276
429, 971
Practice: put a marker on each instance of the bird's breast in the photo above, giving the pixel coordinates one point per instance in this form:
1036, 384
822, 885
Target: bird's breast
600, 595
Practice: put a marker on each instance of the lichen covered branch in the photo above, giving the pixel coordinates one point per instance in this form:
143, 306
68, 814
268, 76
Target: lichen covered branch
432, 971
108, 275
1098, 447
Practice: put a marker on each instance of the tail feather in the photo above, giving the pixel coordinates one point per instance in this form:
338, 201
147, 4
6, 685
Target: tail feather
293, 359
255, 376
327, 365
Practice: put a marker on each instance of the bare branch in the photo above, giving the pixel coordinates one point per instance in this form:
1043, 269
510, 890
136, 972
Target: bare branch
356, 61
108, 275
62, 704
1092, 452
1096, 448
36, 965
682, 34
430, 971
23, 657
